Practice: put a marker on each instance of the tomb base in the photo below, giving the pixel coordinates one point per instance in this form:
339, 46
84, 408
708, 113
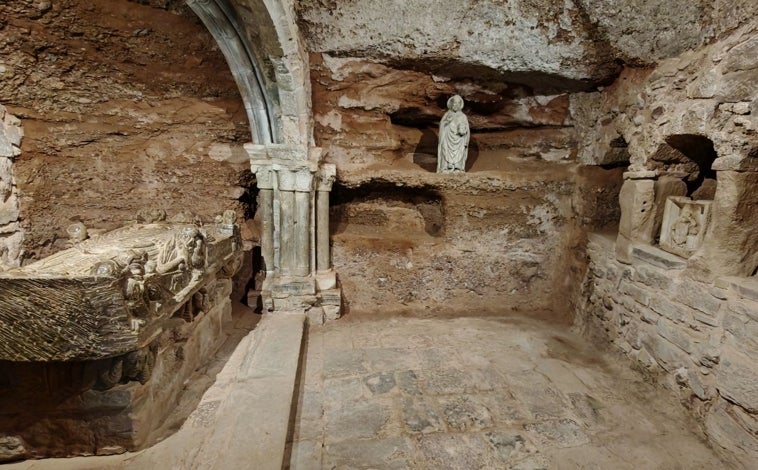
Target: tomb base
54, 409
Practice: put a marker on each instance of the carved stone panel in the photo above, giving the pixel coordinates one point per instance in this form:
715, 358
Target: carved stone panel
684, 224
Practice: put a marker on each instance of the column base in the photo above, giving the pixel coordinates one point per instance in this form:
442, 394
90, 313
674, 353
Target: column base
318, 296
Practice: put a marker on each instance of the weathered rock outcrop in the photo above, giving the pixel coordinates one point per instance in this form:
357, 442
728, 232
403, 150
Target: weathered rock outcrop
567, 45
542, 44
373, 114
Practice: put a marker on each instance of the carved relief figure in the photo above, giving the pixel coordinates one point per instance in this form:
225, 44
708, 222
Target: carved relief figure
77, 233
134, 290
183, 252
685, 229
452, 149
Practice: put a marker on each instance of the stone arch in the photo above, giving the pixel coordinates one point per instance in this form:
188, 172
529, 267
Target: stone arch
687, 156
260, 42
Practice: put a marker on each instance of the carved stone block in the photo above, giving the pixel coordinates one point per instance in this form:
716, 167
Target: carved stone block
684, 224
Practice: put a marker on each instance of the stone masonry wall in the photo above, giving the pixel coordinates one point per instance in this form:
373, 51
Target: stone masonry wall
699, 339
11, 234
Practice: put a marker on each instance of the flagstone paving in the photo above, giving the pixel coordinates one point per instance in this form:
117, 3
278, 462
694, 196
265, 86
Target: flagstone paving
479, 392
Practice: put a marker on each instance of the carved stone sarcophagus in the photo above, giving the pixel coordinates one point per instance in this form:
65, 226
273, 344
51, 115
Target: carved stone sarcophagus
108, 295
98, 341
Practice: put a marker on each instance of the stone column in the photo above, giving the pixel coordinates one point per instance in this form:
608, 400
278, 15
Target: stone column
295, 186
286, 198
265, 182
323, 252
303, 188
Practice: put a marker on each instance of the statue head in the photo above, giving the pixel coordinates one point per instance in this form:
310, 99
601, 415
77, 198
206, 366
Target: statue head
151, 215
455, 103
190, 236
77, 232
229, 217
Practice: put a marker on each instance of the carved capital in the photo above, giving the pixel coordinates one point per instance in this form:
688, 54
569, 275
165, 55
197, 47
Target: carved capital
326, 176
264, 176
300, 180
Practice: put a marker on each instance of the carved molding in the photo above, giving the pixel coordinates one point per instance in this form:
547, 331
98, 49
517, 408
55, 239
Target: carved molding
326, 176
221, 21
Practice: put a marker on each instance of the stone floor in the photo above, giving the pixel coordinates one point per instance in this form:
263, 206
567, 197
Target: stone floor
422, 393
479, 392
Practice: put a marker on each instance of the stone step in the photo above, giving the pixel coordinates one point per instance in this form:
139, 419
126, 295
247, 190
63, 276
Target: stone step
256, 412
243, 420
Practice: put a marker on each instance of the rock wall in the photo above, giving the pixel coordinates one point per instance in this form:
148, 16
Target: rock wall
687, 128
476, 242
709, 92
11, 234
542, 43
569, 45
369, 115
505, 236
698, 338
122, 103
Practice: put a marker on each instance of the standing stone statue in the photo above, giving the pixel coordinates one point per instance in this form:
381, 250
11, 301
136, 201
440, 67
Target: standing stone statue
452, 149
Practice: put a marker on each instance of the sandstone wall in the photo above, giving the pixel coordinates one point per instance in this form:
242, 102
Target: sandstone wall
700, 339
477, 242
505, 236
687, 127
121, 104
709, 92
573, 44
691, 119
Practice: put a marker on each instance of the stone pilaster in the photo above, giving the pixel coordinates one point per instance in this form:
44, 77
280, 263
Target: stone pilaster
294, 188
637, 198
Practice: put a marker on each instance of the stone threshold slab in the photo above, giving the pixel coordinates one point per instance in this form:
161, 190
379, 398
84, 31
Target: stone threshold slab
251, 425
640, 253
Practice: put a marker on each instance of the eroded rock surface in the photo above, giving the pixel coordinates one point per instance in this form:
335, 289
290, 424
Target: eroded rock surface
121, 104
570, 45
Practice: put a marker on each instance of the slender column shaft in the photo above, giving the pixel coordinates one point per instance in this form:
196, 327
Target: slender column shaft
323, 257
302, 227
266, 200
287, 233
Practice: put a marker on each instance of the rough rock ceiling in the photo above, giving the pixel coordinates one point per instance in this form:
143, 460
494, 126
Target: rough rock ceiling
548, 45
